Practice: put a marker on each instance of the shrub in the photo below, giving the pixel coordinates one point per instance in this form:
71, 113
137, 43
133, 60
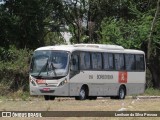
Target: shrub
14, 68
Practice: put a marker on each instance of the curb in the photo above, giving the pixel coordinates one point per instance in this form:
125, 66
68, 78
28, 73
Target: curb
148, 97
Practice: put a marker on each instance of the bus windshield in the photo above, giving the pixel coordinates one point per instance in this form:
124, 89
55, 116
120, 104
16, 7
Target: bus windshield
49, 63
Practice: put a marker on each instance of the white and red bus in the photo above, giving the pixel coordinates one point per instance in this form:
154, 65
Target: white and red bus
87, 71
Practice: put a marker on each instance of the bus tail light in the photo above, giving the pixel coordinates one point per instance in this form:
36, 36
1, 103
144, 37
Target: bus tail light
41, 81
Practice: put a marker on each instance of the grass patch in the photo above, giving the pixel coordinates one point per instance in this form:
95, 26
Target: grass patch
152, 92
19, 95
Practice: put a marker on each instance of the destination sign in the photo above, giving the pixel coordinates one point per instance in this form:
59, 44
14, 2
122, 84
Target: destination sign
101, 77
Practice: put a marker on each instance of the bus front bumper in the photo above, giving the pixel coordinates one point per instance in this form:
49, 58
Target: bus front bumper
55, 91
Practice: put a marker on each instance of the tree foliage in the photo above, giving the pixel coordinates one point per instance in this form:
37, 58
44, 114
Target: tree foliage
137, 33
25, 23
129, 34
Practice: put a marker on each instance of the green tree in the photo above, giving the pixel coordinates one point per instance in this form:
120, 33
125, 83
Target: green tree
74, 15
25, 23
136, 33
130, 34
153, 53
54, 38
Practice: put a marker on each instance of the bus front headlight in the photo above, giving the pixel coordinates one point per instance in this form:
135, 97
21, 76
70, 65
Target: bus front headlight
33, 83
63, 82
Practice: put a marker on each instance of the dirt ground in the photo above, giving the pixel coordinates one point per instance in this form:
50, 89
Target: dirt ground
70, 104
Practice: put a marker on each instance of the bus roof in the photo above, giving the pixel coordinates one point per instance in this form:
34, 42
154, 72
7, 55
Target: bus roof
91, 47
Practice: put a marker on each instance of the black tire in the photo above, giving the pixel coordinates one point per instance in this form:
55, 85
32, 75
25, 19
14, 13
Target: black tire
52, 97
122, 93
48, 97
82, 94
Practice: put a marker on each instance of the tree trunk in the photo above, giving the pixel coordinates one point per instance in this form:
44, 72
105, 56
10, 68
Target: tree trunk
153, 62
154, 68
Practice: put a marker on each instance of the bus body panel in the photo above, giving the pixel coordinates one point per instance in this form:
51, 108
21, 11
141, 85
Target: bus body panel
97, 87
135, 88
105, 83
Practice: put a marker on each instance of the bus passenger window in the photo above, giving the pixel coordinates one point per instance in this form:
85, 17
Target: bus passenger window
96, 61
140, 62
85, 60
129, 62
108, 61
119, 61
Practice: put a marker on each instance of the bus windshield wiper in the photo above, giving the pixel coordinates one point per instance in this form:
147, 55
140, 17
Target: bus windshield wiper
43, 68
53, 68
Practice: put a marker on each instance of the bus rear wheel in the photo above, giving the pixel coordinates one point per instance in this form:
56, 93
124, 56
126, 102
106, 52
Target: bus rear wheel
82, 94
49, 97
122, 92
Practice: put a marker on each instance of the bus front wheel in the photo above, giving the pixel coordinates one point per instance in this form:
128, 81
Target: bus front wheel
82, 94
49, 97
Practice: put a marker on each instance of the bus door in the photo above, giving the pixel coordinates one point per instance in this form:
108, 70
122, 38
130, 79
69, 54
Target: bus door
74, 71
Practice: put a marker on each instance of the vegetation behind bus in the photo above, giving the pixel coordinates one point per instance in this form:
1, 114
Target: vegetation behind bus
14, 67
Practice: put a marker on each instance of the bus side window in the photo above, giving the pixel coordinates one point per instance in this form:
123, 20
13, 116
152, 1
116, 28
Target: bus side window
85, 60
108, 61
96, 61
140, 63
130, 62
119, 61
75, 63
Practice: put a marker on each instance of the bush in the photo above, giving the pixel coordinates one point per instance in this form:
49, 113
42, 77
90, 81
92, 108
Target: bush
152, 92
14, 68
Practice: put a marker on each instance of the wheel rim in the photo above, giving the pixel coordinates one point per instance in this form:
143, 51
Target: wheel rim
82, 94
121, 93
